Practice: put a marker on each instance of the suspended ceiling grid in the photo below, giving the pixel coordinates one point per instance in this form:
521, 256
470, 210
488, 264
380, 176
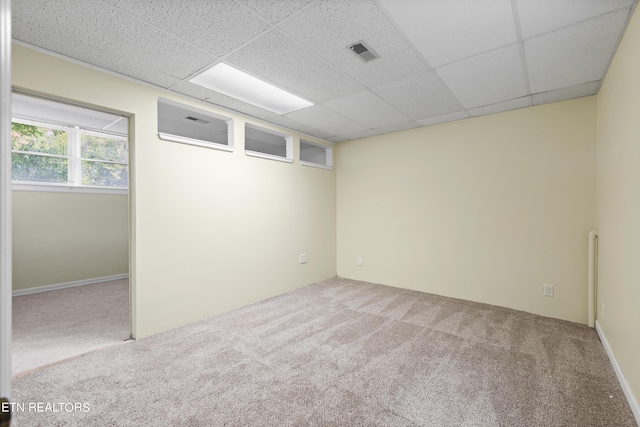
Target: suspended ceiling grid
439, 60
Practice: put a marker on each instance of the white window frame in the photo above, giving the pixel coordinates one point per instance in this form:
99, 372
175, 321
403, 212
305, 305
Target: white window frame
199, 142
288, 140
74, 173
328, 155
78, 159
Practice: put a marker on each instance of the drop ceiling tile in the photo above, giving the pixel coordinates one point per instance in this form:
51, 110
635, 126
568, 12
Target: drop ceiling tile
542, 16
344, 23
291, 124
487, 78
127, 68
419, 95
217, 27
78, 51
458, 115
446, 31
39, 14
350, 137
216, 98
275, 11
565, 93
397, 128
574, 55
512, 104
367, 109
392, 64
276, 58
322, 118
164, 41
337, 139
115, 32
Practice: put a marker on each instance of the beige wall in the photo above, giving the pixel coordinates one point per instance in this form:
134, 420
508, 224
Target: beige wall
485, 209
62, 237
618, 207
211, 230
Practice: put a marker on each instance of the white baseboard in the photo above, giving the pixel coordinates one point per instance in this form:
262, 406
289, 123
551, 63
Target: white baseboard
69, 284
635, 408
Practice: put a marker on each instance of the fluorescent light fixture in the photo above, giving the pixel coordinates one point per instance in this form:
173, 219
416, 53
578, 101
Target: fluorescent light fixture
237, 84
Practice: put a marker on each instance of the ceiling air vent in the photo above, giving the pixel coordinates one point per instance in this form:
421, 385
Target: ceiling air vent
363, 52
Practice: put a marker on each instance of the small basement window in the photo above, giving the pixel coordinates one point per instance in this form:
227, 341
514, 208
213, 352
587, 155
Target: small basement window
190, 125
267, 143
313, 154
57, 146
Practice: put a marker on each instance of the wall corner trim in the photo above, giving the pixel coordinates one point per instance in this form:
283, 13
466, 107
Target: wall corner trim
633, 403
57, 286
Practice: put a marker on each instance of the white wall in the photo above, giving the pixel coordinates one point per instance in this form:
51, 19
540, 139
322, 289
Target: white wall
211, 230
618, 207
63, 237
485, 209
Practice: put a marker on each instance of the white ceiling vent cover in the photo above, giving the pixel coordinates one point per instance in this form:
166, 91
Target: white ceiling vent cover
363, 52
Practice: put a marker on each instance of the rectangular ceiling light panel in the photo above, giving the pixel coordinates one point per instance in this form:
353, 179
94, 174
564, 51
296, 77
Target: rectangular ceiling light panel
237, 84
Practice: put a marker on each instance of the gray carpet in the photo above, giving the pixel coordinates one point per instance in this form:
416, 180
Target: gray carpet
55, 325
343, 353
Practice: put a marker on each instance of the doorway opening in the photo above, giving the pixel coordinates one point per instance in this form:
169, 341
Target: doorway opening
70, 230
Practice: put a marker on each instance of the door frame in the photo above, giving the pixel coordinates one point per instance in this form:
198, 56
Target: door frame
5, 199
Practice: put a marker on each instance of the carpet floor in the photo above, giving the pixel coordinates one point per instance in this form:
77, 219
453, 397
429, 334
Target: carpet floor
341, 353
52, 326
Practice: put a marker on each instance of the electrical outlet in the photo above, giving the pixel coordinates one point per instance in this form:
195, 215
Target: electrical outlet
547, 290
603, 310
359, 261
303, 258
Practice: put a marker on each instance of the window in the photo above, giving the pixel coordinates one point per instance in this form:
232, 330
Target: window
63, 146
267, 143
39, 153
312, 154
47, 153
189, 125
103, 160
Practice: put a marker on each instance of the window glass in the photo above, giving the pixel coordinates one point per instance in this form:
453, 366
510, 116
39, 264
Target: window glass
103, 148
38, 139
267, 143
36, 168
190, 125
104, 160
105, 174
58, 143
39, 154
313, 154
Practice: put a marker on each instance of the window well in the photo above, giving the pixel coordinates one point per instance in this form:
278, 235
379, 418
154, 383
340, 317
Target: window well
267, 143
190, 125
313, 154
